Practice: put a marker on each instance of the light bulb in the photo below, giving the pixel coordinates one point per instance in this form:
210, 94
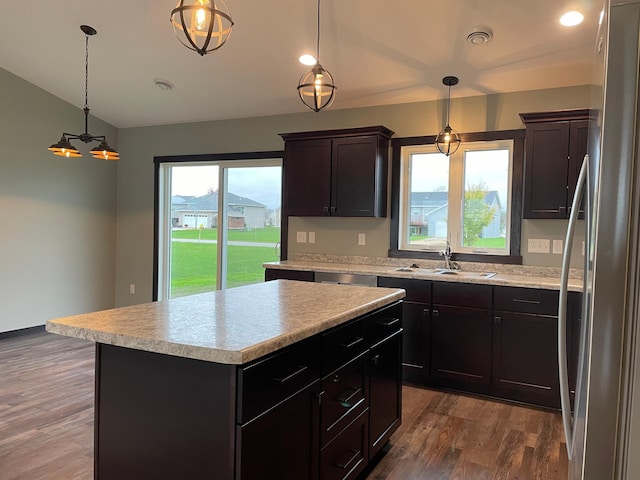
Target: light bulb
66, 152
447, 138
201, 18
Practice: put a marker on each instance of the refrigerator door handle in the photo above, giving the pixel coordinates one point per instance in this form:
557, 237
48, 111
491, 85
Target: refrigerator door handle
565, 401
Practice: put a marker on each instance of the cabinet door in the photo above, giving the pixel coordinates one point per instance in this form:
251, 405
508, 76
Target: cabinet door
461, 345
546, 167
385, 391
526, 357
358, 178
307, 174
415, 341
284, 442
578, 144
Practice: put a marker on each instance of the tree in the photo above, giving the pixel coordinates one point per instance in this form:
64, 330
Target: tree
477, 212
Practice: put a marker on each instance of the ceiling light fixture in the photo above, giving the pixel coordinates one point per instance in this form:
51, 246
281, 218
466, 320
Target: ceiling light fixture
448, 139
571, 19
479, 36
64, 148
202, 25
316, 87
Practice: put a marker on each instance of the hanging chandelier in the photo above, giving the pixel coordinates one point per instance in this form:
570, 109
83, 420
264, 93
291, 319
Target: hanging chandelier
64, 148
316, 87
202, 25
448, 139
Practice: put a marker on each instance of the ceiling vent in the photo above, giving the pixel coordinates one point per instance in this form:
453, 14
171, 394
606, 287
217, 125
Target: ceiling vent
480, 36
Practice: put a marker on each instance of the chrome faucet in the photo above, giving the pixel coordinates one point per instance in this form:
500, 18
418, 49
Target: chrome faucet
449, 264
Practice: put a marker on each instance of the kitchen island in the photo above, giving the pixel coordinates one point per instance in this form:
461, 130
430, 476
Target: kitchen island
280, 380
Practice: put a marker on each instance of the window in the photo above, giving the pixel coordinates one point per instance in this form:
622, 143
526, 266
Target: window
217, 223
465, 199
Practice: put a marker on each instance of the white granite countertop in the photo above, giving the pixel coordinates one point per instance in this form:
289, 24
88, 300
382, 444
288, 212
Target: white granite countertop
232, 326
502, 275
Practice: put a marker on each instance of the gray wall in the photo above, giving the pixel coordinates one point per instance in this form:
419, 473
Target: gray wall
58, 222
138, 146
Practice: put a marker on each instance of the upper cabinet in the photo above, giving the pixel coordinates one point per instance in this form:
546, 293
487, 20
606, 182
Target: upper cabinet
336, 172
555, 145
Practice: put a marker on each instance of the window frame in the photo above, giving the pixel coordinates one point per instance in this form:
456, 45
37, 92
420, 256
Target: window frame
162, 182
514, 256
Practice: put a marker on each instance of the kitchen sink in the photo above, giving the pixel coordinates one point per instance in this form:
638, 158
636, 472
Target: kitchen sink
460, 273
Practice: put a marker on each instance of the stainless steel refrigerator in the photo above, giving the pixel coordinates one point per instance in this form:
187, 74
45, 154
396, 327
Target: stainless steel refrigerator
601, 430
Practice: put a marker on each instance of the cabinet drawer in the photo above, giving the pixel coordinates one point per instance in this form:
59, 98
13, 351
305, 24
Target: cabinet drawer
268, 381
526, 300
276, 274
346, 456
383, 324
417, 290
342, 344
344, 396
462, 294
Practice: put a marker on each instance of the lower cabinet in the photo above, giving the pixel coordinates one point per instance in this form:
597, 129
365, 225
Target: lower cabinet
281, 444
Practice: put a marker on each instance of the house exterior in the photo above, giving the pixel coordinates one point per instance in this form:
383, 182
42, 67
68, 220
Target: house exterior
429, 212
202, 212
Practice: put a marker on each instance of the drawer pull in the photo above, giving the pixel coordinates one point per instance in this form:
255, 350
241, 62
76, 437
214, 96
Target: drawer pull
376, 359
425, 312
353, 455
389, 322
532, 302
283, 380
352, 342
346, 396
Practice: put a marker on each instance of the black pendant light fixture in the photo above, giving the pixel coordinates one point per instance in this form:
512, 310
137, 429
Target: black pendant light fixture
316, 87
64, 148
448, 139
202, 25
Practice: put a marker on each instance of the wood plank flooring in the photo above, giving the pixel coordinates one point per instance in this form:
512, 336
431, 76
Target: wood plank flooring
46, 424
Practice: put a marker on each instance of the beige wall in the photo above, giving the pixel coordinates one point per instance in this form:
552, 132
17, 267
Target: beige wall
138, 146
57, 229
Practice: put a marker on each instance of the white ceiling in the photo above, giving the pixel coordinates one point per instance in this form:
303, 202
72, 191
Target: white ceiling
379, 52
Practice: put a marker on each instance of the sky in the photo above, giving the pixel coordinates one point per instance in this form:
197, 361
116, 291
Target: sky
262, 184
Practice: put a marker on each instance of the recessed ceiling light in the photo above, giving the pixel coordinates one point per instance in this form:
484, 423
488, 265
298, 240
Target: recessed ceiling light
165, 85
307, 59
571, 19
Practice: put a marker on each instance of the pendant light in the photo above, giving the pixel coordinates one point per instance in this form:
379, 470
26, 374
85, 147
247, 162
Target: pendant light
64, 148
316, 87
448, 139
202, 25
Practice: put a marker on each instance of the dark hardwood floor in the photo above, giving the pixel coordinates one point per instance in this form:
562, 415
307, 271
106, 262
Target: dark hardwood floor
46, 424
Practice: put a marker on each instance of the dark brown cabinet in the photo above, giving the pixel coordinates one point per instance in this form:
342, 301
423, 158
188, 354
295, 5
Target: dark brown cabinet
336, 172
525, 363
461, 335
282, 274
555, 145
416, 323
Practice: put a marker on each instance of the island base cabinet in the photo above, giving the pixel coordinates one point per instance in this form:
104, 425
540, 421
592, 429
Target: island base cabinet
281, 443
385, 391
346, 456
162, 417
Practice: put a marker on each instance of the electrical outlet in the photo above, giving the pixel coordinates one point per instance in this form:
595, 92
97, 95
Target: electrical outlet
557, 247
362, 239
301, 237
312, 237
536, 245
132, 288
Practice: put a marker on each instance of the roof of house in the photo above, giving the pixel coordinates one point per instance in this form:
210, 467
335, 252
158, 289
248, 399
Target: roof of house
438, 199
209, 201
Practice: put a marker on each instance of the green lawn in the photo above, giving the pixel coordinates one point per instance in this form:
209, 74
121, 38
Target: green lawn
265, 235
193, 266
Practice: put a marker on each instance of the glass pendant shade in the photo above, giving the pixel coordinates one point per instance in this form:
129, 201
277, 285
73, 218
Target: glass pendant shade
316, 88
448, 140
202, 25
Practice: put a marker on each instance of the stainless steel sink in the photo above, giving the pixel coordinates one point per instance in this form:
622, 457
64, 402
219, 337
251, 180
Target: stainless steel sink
460, 273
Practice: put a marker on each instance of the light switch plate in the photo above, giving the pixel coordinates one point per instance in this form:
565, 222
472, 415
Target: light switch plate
557, 247
538, 245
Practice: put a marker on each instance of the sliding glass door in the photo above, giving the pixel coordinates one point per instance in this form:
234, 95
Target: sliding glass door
218, 222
